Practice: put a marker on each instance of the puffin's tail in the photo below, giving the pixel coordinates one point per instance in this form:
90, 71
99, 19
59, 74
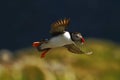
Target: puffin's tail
37, 45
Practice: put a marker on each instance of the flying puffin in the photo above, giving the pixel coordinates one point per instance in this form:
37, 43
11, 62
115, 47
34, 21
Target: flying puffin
61, 38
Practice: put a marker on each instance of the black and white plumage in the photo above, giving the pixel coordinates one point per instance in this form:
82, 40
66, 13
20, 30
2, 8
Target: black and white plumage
61, 38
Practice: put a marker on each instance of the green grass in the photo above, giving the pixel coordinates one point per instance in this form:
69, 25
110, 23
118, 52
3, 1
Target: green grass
60, 64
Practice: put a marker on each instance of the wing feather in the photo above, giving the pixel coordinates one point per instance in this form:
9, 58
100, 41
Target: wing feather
59, 26
74, 49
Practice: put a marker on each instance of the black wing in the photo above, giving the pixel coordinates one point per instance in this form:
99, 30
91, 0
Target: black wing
74, 49
59, 26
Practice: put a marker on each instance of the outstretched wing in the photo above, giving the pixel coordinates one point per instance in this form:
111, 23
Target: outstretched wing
74, 49
59, 26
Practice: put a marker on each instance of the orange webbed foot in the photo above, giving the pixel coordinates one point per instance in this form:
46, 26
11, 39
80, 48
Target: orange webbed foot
36, 44
44, 53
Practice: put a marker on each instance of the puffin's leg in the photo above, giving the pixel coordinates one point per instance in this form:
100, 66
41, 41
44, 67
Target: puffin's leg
37, 45
44, 53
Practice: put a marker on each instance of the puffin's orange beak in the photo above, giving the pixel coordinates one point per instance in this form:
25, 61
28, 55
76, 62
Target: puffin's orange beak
82, 40
36, 44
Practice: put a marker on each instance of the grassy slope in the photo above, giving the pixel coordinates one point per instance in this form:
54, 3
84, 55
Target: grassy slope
59, 64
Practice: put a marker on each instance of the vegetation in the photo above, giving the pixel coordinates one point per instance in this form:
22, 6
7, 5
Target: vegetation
60, 64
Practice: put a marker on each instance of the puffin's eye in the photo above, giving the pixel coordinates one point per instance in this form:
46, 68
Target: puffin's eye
77, 36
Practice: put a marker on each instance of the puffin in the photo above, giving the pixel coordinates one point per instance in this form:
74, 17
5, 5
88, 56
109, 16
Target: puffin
60, 37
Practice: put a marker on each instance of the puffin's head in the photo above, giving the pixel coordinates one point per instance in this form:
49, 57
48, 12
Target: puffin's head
76, 36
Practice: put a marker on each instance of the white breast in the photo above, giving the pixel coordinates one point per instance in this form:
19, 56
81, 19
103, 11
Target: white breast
67, 35
58, 41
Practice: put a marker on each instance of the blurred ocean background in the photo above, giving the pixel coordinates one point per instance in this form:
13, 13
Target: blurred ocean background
26, 21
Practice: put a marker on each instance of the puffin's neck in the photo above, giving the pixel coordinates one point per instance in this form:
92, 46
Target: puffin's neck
71, 36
